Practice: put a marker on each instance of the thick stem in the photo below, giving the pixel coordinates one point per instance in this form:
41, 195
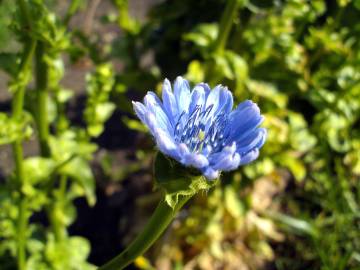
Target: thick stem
158, 222
17, 110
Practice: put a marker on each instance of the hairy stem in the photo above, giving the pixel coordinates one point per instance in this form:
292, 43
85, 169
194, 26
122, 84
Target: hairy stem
158, 222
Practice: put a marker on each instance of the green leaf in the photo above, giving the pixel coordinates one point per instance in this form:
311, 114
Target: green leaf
61, 255
134, 124
233, 203
177, 180
104, 111
70, 144
268, 92
12, 130
195, 72
203, 35
98, 107
80, 170
301, 139
38, 169
294, 164
295, 225
357, 4
238, 66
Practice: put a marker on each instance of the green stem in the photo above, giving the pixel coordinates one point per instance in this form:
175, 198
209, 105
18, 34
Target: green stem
21, 236
43, 129
17, 110
42, 98
60, 231
158, 222
57, 204
56, 226
18, 100
25, 16
226, 22
219, 45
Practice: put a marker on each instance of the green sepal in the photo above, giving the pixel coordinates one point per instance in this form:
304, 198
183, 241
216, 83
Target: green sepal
176, 180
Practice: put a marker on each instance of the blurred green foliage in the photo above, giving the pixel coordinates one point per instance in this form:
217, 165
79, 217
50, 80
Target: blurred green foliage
297, 207
52, 180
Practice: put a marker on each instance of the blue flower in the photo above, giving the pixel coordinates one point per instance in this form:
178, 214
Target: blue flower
198, 127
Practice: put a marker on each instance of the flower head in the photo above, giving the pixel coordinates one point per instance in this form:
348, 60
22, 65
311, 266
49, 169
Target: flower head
198, 127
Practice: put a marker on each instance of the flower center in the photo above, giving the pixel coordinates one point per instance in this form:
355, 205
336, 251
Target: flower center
201, 131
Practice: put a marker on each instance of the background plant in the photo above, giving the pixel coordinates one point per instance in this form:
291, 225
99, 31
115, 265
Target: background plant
299, 61
295, 208
52, 180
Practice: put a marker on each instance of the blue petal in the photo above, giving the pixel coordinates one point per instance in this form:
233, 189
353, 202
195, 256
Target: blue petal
214, 157
169, 101
245, 118
210, 173
213, 100
249, 157
206, 88
151, 122
154, 105
182, 94
254, 140
262, 142
197, 98
191, 159
225, 100
140, 110
226, 160
183, 149
165, 143
195, 160
221, 101
206, 150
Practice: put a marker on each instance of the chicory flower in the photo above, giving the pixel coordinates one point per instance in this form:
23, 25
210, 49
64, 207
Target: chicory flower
198, 127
